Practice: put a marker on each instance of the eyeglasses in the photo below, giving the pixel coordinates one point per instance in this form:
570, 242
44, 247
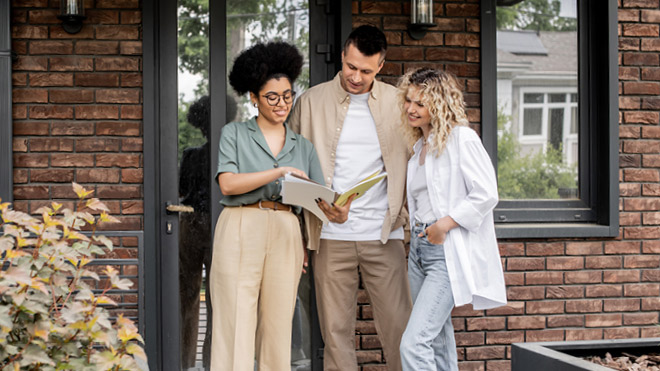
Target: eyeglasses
274, 99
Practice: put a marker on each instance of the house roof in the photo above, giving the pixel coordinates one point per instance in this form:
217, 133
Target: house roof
545, 51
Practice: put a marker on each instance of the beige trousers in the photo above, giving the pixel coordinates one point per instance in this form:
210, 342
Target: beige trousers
383, 270
257, 263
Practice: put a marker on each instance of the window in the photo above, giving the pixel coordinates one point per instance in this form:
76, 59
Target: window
6, 172
550, 115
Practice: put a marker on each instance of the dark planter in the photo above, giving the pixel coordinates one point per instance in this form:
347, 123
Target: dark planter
564, 355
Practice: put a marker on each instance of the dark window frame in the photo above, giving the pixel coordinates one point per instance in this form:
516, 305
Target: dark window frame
595, 214
6, 168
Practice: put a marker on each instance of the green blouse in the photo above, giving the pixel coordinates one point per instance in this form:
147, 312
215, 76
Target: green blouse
243, 149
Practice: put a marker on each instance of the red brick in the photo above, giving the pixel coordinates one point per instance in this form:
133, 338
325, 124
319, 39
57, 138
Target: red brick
544, 278
584, 334
97, 145
651, 161
642, 289
119, 192
651, 16
135, 48
30, 160
132, 175
642, 88
641, 204
526, 322
29, 96
131, 80
544, 335
19, 79
525, 293
72, 160
462, 10
584, 248
562, 292
626, 219
508, 337
621, 305
620, 333
131, 112
630, 103
30, 192
117, 160
604, 291
651, 275
566, 321
29, 32
637, 319
31, 128
641, 233
431, 39
603, 320
51, 175
651, 304
51, 47
126, 223
97, 79
582, 277
381, 7
71, 64
51, 79
511, 308
621, 276
630, 161
469, 366
97, 47
629, 190
627, 44
51, 112
639, 146
641, 261
468, 339
485, 352
650, 332
117, 96
117, 64
565, 263
19, 145
487, 323
466, 311
640, 30
72, 128
651, 73
18, 112
651, 103
544, 307
102, 16
652, 45
641, 117
97, 112
545, 249
71, 96
97, 175
28, 63
117, 32
641, 175
464, 70
118, 128
131, 17
622, 247
628, 15
584, 306
132, 207
462, 39
51, 145
514, 279
525, 264
57, 32
131, 144
651, 247
511, 249
20, 176
112, 4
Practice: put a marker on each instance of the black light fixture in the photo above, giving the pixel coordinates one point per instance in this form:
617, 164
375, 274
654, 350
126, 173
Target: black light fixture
72, 14
421, 18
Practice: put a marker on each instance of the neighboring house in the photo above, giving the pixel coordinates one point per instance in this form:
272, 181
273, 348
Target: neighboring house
537, 89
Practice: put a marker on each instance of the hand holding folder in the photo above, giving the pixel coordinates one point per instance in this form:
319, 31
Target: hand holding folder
304, 192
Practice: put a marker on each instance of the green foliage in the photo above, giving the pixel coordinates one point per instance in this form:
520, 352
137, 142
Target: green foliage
535, 15
535, 176
189, 136
50, 319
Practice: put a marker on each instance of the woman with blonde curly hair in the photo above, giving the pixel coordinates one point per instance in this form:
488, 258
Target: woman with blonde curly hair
452, 190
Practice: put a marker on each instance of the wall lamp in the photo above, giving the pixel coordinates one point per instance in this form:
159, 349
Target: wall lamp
421, 18
72, 14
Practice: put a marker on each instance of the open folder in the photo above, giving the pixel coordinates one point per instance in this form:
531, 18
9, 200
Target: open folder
304, 192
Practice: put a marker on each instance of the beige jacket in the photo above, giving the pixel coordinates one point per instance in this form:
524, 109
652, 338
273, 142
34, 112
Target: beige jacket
319, 114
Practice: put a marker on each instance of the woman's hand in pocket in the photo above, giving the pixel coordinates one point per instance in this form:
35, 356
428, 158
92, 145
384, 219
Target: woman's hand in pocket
436, 233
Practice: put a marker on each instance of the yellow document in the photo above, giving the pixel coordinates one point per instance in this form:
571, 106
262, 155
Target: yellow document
304, 192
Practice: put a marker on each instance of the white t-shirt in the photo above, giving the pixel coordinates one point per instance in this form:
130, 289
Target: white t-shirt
358, 156
420, 195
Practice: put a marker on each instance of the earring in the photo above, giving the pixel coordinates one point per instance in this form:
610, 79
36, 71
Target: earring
255, 105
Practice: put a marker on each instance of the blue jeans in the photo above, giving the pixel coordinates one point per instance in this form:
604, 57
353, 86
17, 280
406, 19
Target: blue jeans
428, 342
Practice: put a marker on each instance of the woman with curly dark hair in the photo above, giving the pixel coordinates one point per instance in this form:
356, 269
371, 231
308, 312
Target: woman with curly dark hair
257, 248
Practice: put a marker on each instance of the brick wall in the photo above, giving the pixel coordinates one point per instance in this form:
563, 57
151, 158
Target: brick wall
563, 289
77, 107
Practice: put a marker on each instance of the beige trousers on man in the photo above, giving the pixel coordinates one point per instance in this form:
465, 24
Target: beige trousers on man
257, 263
383, 270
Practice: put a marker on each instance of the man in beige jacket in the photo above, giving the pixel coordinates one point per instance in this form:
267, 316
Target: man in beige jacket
353, 123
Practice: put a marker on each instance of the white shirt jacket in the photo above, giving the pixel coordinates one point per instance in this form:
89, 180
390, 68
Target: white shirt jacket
462, 184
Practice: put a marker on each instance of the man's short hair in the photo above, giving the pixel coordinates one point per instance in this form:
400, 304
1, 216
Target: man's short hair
369, 40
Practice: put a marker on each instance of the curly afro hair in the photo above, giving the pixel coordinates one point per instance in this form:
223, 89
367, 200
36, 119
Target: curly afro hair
262, 62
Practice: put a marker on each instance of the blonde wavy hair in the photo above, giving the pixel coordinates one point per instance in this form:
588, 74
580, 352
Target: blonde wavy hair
440, 94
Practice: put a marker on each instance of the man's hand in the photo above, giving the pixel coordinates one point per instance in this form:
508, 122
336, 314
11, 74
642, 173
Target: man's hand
437, 232
335, 213
305, 260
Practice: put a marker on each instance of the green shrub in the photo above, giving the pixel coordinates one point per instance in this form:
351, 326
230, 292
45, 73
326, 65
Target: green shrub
50, 319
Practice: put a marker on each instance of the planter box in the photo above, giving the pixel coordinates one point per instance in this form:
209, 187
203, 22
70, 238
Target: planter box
563, 355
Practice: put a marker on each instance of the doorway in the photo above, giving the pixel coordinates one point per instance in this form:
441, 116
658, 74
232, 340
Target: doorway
191, 45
